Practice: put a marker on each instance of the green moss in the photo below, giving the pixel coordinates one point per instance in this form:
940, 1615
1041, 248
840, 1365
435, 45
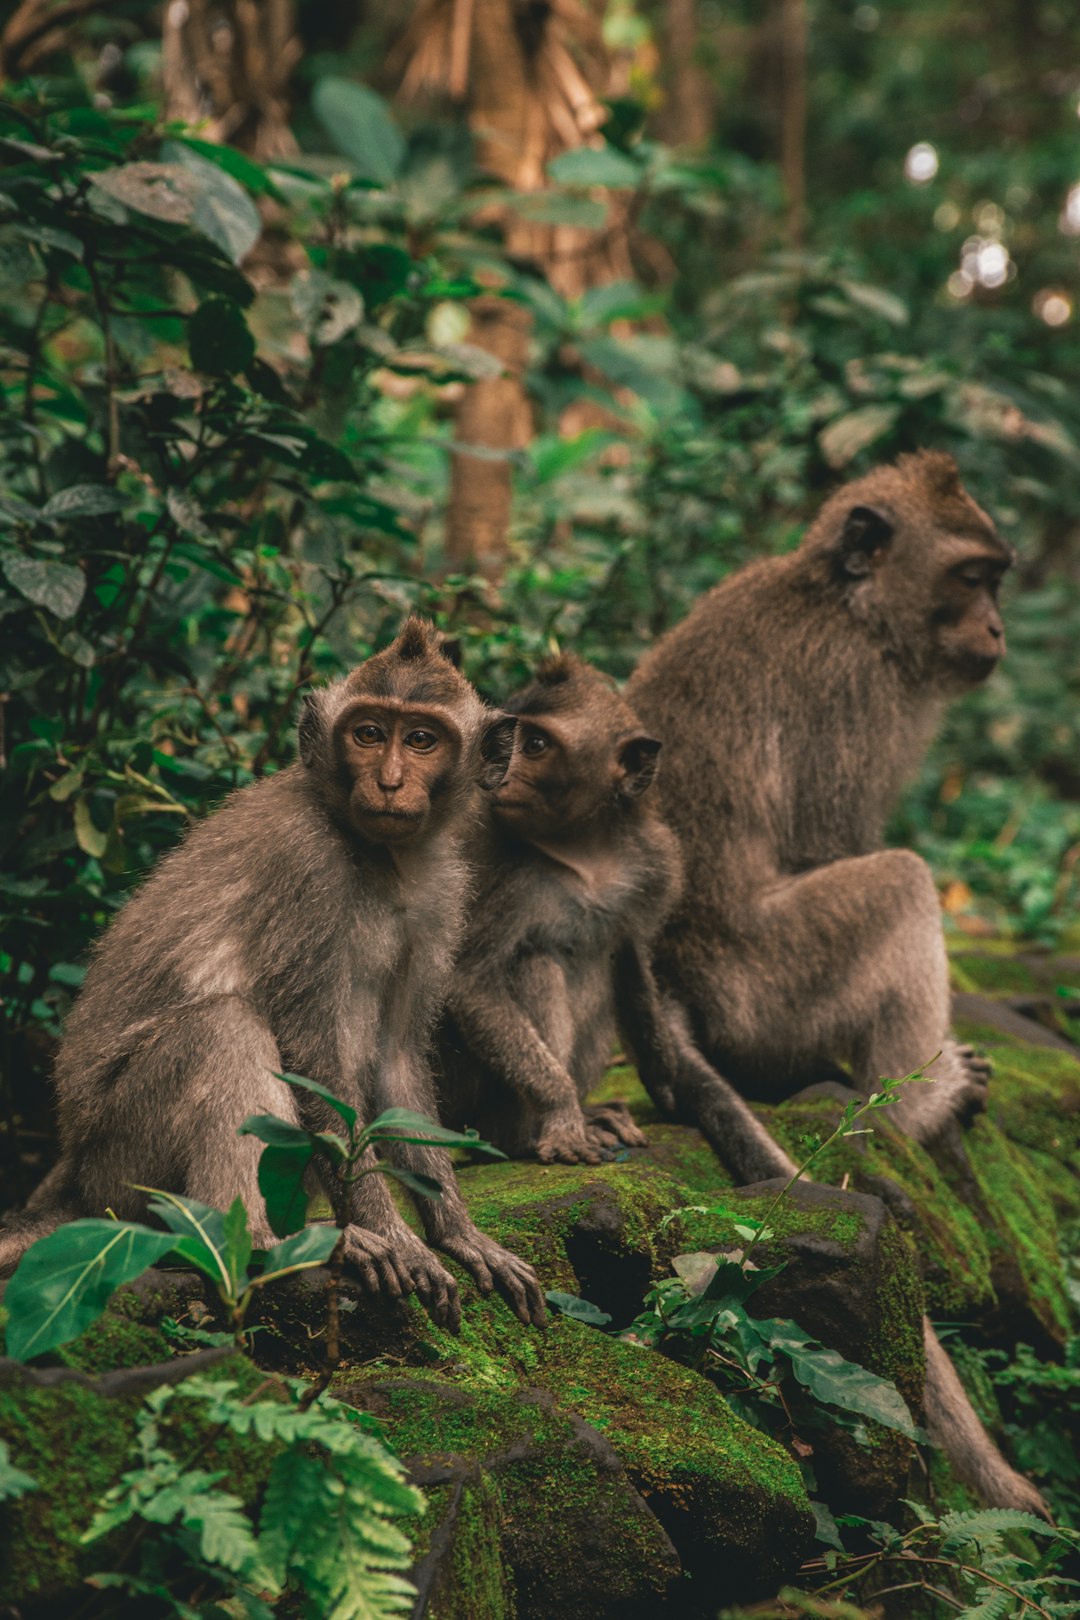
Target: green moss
991, 974
622, 1084
477, 1583
1034, 1094
1024, 1233
115, 1340
953, 1252
76, 1444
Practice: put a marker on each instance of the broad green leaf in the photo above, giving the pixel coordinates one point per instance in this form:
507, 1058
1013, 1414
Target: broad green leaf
194, 1222
311, 1247
62, 789
361, 126
238, 1245
223, 210
556, 208
238, 164
14, 510
838, 1382
403, 1125
218, 338
83, 501
162, 190
48, 584
64, 1281
589, 166
282, 1182
581, 1309
347, 1113
277, 1132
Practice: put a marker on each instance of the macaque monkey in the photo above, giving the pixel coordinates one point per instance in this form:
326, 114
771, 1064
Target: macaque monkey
576, 872
309, 927
793, 701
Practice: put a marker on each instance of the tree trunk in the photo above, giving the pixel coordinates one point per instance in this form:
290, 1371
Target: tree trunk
230, 61
793, 47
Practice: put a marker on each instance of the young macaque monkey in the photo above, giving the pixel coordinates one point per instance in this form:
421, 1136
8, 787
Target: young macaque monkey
307, 927
576, 873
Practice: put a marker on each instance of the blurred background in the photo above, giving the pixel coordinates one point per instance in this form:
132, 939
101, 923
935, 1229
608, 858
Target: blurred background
539, 316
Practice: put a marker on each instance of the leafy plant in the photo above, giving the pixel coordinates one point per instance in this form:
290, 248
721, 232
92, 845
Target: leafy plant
961, 1559
325, 1528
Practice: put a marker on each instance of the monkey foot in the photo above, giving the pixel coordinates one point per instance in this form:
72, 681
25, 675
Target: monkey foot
610, 1125
495, 1267
978, 1065
393, 1268
565, 1139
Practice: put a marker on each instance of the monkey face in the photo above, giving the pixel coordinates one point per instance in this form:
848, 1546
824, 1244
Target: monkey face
969, 634
564, 776
396, 763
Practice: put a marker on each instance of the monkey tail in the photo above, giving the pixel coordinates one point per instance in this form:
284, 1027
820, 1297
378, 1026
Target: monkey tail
51, 1204
954, 1425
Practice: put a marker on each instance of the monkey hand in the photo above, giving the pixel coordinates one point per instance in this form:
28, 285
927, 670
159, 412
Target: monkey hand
495, 1267
564, 1138
610, 1125
397, 1266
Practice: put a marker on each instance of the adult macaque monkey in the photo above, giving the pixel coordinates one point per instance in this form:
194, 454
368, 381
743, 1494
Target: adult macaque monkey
793, 701
576, 872
308, 926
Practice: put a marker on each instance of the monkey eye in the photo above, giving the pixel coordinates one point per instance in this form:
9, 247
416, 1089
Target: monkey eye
368, 735
534, 745
971, 574
422, 742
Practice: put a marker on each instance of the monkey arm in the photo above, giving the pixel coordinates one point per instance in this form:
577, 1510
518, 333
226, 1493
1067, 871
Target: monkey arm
447, 1221
679, 1078
500, 1034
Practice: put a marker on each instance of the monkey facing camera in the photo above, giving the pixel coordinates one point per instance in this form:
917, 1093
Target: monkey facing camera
308, 926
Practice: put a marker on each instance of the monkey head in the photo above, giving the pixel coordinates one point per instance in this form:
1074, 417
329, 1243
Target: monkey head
920, 563
580, 755
398, 746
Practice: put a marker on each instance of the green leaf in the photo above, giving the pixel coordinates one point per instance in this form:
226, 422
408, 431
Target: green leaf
282, 1172
311, 1247
223, 210
62, 789
877, 301
360, 124
14, 510
238, 1244
238, 164
843, 439
589, 166
161, 190
90, 839
347, 1113
403, 1125
64, 1281
838, 1382
961, 1528
83, 501
219, 341
52, 585
557, 208
201, 1229
13, 1482
580, 1309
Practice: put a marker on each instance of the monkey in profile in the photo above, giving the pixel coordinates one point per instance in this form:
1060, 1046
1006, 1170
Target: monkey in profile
575, 874
308, 926
793, 701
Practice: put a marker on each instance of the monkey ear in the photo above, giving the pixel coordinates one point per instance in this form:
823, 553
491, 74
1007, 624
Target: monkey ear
866, 531
309, 729
638, 759
450, 649
496, 747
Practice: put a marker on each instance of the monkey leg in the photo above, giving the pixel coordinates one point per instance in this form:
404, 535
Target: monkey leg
844, 962
374, 1212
